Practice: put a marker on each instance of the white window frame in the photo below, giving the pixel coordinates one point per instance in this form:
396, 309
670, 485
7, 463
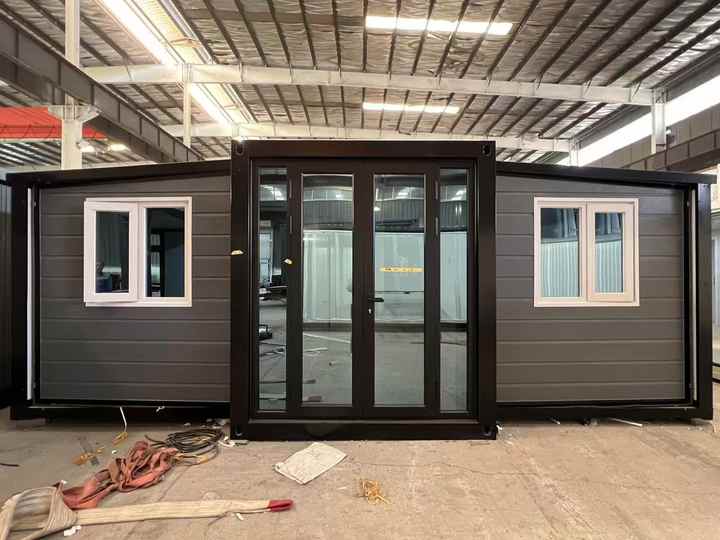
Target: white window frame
589, 296
137, 251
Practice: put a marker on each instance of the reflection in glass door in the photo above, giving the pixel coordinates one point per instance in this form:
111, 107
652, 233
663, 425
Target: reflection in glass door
327, 289
398, 300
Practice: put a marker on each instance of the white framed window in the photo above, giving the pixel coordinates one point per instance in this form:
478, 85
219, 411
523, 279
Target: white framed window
138, 251
586, 252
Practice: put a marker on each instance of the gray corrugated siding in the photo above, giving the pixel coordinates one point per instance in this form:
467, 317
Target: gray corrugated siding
158, 354
594, 353
5, 288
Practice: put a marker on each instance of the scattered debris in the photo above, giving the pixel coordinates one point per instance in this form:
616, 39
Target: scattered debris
89, 453
120, 437
555, 421
9, 464
628, 422
43, 512
239, 516
160, 408
72, 530
370, 490
589, 422
187, 424
308, 464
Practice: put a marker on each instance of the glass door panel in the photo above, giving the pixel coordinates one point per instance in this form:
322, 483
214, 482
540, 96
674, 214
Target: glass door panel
454, 214
398, 300
327, 289
273, 278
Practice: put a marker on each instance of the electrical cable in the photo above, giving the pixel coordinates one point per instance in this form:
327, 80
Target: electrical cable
195, 445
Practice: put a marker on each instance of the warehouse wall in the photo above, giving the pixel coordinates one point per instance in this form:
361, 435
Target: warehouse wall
593, 353
135, 353
693, 127
5, 289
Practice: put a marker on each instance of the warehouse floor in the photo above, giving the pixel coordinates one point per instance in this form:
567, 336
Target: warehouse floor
538, 480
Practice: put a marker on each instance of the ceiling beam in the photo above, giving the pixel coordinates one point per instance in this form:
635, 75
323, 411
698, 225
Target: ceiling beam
257, 75
35, 69
270, 130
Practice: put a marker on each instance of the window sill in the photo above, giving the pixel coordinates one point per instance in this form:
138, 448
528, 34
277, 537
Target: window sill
545, 304
144, 304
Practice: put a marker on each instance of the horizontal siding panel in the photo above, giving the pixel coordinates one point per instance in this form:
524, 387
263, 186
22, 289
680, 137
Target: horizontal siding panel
518, 393
524, 203
129, 351
514, 266
540, 187
649, 288
73, 288
652, 350
72, 225
71, 203
127, 372
204, 267
573, 330
522, 308
137, 391
211, 224
75, 309
600, 373
149, 330
650, 224
650, 246
167, 187
72, 246
213, 245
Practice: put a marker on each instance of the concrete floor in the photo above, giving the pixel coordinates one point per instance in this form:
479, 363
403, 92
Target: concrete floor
538, 480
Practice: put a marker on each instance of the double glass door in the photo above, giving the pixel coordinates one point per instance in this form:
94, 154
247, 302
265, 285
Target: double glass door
364, 274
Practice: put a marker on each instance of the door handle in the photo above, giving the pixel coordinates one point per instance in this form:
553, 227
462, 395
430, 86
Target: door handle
376, 299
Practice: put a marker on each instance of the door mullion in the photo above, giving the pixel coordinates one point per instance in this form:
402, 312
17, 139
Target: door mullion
363, 288
432, 290
294, 344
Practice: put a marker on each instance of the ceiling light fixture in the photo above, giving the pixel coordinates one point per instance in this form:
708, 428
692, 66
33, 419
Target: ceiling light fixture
117, 147
136, 23
399, 107
438, 25
86, 147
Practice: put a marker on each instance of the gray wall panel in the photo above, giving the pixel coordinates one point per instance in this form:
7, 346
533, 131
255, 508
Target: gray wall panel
591, 353
135, 353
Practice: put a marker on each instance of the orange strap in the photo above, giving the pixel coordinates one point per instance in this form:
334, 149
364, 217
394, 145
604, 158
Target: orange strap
143, 466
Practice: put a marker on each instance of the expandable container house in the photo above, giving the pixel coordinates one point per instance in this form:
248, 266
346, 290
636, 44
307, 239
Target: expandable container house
365, 289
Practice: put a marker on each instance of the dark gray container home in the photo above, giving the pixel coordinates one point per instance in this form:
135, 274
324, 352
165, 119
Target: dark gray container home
364, 289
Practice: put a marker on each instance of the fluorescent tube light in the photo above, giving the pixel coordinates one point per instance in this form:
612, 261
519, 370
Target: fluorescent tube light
117, 147
135, 22
438, 25
86, 147
399, 107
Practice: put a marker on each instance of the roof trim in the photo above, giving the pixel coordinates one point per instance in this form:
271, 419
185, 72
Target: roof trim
132, 173
601, 174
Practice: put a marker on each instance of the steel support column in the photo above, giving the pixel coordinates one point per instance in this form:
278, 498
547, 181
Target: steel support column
70, 153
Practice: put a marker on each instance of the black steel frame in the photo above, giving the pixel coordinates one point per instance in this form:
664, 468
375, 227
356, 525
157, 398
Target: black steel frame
360, 419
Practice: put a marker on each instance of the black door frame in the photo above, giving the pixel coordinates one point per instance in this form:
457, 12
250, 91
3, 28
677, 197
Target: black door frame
344, 422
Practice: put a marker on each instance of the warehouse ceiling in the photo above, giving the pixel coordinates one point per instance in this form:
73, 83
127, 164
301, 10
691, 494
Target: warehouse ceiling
634, 44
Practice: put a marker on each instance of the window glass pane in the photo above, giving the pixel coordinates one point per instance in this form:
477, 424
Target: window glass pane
609, 252
327, 288
453, 289
112, 244
273, 245
559, 252
399, 296
165, 253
